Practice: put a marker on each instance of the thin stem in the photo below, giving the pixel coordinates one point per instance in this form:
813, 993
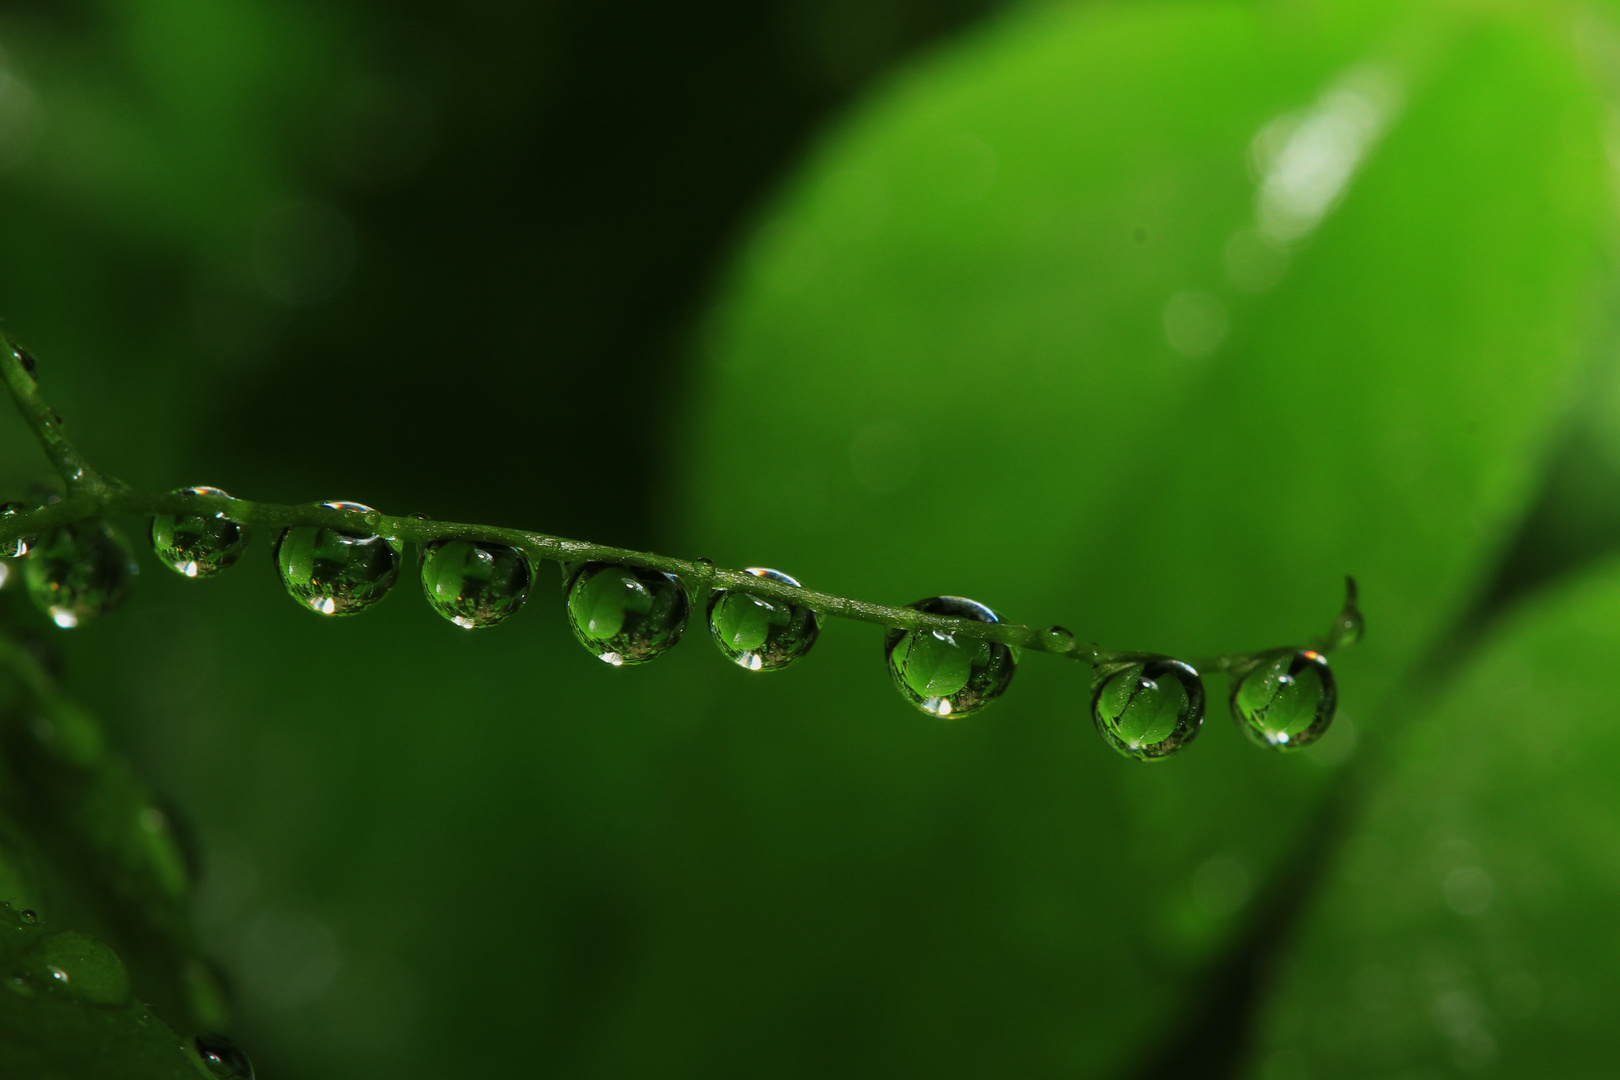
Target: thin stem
92, 494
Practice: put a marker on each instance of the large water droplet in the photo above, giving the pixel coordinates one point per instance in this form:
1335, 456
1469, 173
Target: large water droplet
198, 546
472, 583
1147, 709
625, 614
757, 632
15, 549
225, 1060
335, 571
1286, 700
945, 673
29, 364
76, 966
77, 572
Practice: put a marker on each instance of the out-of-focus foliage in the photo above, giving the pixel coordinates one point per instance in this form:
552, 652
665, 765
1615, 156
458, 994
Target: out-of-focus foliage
1147, 319
1466, 926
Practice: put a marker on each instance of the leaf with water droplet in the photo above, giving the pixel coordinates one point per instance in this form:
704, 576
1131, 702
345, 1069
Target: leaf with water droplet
225, 1060
196, 545
17, 548
1147, 709
1285, 700
948, 674
77, 572
473, 583
75, 966
757, 632
336, 571
625, 614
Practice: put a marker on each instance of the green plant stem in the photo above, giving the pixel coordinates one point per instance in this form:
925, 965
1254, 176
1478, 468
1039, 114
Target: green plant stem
91, 494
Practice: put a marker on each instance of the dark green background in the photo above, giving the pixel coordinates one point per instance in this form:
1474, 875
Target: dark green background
875, 294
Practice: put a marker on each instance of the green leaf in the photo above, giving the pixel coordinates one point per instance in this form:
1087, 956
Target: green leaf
1466, 926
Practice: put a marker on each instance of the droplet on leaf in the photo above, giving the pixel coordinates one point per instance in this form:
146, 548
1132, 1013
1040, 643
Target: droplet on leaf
1147, 709
473, 583
946, 673
77, 572
196, 545
76, 966
15, 549
1286, 700
625, 614
757, 632
225, 1060
336, 571
29, 364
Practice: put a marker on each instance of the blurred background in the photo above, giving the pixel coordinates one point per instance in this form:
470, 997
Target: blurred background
1152, 320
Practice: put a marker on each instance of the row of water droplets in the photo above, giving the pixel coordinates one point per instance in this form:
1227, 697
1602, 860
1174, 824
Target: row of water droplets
1146, 707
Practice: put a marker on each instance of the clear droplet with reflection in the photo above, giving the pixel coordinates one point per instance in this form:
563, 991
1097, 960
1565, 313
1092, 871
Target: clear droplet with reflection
76, 572
224, 1059
1147, 709
473, 583
625, 614
29, 364
757, 632
1286, 700
945, 673
1058, 639
75, 966
198, 545
336, 571
17, 548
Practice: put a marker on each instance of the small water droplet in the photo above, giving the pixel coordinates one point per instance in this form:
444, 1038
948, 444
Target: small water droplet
1347, 630
1286, 700
948, 674
198, 545
15, 549
1059, 639
706, 564
225, 1060
28, 915
59, 419
335, 571
473, 583
77, 572
29, 364
1147, 709
77, 966
625, 614
759, 633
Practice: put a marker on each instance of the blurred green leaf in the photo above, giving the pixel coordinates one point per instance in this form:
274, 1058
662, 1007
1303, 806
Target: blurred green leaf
1466, 925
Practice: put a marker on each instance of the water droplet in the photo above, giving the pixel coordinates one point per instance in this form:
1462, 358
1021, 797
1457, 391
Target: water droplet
335, 571
28, 915
760, 633
1286, 699
1346, 630
198, 546
15, 549
76, 966
707, 564
29, 364
473, 583
225, 1060
944, 673
625, 614
1058, 639
77, 572
1147, 709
